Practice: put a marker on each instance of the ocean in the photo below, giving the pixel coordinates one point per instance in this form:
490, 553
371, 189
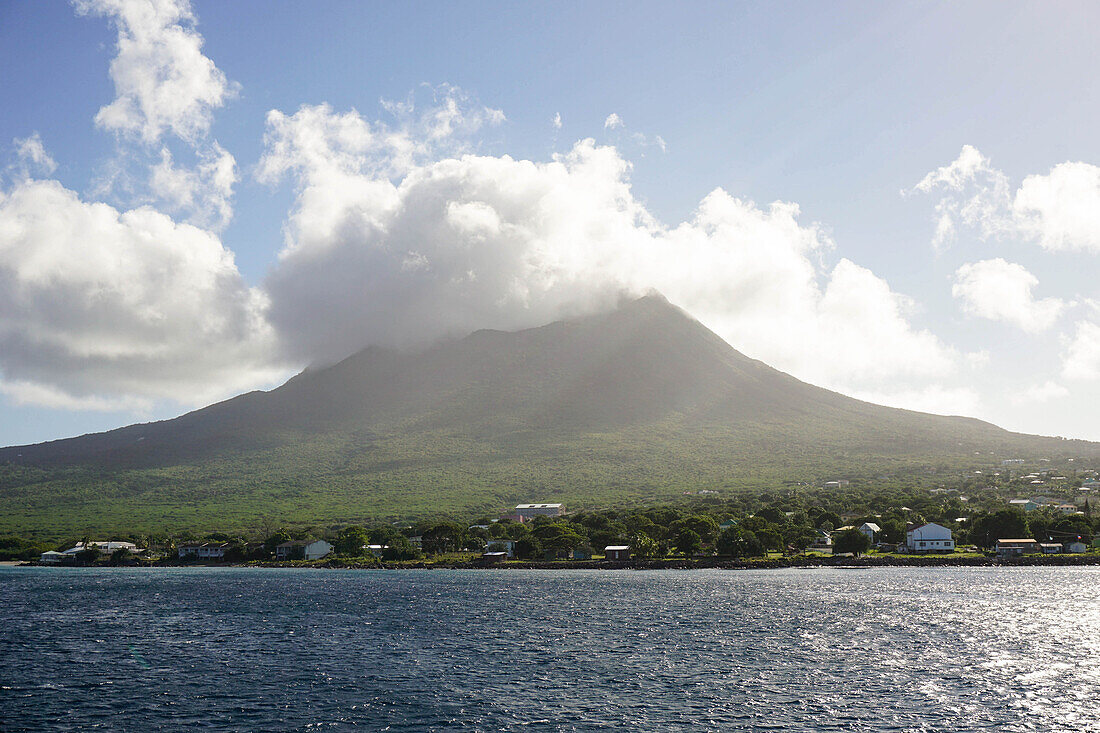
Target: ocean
827, 649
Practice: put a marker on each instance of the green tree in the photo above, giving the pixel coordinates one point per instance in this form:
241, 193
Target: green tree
736, 541
851, 540
644, 546
442, 537
275, 540
688, 543
350, 540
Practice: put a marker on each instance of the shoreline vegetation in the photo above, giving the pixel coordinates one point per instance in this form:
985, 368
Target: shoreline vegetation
475, 562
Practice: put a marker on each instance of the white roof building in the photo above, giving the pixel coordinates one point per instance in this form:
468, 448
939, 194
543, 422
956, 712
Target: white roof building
539, 510
929, 537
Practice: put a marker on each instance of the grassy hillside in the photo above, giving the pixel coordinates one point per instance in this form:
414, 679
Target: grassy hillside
635, 406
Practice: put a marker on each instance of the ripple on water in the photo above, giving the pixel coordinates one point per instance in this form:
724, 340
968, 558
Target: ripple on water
886, 649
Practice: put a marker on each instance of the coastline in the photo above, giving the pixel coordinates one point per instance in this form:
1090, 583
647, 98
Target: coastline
715, 563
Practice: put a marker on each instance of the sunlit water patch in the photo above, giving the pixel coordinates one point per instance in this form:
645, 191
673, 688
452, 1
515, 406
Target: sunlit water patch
893, 649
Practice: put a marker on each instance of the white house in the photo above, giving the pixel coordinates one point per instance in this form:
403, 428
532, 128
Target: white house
203, 550
929, 537
1076, 547
310, 549
870, 529
508, 547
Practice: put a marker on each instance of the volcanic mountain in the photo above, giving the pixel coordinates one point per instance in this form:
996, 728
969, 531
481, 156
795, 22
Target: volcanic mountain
638, 404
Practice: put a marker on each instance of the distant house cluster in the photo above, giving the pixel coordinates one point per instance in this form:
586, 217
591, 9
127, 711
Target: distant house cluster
71, 555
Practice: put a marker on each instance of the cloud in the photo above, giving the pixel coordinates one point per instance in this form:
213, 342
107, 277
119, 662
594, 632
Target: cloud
1001, 291
99, 308
1040, 394
1081, 358
388, 245
613, 121
557, 121
32, 156
204, 193
935, 399
1058, 211
977, 197
163, 82
1061, 209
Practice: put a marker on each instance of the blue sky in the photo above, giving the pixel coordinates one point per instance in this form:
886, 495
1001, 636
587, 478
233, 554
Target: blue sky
261, 244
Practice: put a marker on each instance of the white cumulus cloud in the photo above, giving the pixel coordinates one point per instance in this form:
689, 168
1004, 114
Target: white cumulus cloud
613, 121
1061, 209
163, 81
1058, 211
204, 193
388, 246
1081, 359
1002, 291
100, 307
32, 156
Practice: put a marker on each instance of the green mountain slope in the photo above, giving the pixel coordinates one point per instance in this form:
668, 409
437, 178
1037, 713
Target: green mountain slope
639, 404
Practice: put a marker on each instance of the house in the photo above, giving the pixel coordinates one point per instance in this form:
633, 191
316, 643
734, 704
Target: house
1050, 548
508, 547
1075, 547
493, 557
302, 550
56, 558
929, 537
822, 543
376, 550
870, 529
1026, 505
617, 552
1067, 508
530, 511
203, 550
1017, 547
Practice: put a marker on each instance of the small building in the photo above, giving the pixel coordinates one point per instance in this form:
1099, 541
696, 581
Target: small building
493, 557
203, 550
1017, 547
188, 549
929, 537
617, 552
530, 511
869, 529
1075, 547
1050, 548
302, 549
508, 547
1026, 505
55, 558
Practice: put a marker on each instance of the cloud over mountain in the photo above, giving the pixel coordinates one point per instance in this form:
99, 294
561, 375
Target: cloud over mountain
387, 247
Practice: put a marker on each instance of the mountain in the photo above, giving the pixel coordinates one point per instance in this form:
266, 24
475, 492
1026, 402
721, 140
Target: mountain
635, 405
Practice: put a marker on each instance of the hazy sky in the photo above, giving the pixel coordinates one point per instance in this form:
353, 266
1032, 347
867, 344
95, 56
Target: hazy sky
897, 201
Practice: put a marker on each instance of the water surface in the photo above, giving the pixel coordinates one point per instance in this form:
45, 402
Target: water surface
896, 649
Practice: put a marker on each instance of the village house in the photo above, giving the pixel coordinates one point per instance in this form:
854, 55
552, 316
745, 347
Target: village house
202, 550
869, 530
929, 537
104, 548
617, 552
1017, 547
508, 547
302, 549
1050, 548
530, 511
1026, 505
1076, 547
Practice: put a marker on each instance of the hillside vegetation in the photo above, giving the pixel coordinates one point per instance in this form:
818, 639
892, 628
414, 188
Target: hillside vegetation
635, 406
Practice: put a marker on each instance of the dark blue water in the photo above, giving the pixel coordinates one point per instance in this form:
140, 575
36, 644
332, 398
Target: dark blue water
826, 649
